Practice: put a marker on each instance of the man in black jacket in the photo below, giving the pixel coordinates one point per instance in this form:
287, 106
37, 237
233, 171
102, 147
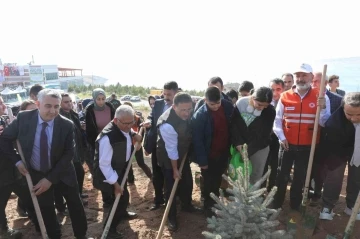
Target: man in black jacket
161, 105
112, 154
47, 141
343, 145
10, 181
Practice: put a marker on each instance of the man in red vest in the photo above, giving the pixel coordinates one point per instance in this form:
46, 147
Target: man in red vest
294, 124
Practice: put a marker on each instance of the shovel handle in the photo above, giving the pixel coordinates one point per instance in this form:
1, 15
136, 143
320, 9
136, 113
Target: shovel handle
313, 142
351, 223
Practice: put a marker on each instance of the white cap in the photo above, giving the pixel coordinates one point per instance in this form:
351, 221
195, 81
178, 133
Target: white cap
305, 68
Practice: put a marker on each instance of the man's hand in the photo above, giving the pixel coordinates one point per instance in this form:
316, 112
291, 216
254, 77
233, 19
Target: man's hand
1, 129
204, 167
137, 146
146, 153
117, 189
137, 138
146, 124
176, 174
42, 186
22, 169
239, 148
284, 144
321, 102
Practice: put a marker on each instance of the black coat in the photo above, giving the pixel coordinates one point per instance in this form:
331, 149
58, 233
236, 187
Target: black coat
151, 137
257, 134
91, 126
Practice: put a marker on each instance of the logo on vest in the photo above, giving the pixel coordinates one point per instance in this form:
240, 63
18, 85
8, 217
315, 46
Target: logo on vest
290, 108
312, 105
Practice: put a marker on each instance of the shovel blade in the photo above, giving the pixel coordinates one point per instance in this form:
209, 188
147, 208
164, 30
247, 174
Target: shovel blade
303, 226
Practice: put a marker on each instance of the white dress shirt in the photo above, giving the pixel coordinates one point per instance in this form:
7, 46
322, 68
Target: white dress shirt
278, 123
105, 156
170, 138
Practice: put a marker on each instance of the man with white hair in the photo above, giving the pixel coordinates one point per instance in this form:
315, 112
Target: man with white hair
47, 141
293, 125
113, 148
343, 145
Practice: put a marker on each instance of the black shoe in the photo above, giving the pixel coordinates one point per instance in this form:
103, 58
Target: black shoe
155, 207
21, 212
130, 215
191, 208
172, 225
114, 234
84, 195
8, 233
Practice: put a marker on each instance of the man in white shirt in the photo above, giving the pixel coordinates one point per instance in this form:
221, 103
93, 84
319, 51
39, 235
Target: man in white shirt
293, 125
112, 154
174, 139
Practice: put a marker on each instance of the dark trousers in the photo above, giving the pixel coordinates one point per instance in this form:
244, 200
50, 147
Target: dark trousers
121, 207
353, 186
184, 190
158, 179
212, 178
333, 181
139, 155
299, 156
60, 204
273, 162
22, 191
76, 208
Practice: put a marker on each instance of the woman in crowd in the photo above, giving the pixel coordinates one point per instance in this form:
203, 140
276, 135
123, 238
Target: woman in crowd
252, 122
151, 100
98, 114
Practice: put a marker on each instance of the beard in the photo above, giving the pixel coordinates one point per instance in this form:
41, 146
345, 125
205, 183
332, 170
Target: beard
303, 87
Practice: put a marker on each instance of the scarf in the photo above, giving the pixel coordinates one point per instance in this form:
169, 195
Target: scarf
95, 94
355, 160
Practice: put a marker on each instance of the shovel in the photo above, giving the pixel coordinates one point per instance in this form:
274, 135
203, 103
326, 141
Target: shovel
351, 223
305, 223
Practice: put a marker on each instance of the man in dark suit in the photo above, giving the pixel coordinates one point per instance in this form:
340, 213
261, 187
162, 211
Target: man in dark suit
334, 84
47, 141
343, 149
161, 105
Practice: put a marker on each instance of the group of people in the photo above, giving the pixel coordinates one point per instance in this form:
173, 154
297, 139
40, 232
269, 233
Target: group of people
276, 122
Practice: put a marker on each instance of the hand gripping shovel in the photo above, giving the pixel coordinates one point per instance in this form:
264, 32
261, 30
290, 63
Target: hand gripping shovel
33, 196
351, 223
305, 223
168, 205
116, 202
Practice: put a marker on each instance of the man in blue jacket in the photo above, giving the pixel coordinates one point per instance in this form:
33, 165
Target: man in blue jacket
161, 105
211, 140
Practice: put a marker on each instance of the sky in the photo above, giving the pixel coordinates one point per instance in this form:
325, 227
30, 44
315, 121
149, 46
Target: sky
150, 42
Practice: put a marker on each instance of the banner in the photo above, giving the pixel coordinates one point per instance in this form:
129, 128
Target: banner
36, 74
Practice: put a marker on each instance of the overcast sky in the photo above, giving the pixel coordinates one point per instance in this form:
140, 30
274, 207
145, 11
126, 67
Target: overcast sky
150, 42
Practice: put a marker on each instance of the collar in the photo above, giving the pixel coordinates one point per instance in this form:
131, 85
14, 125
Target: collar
40, 121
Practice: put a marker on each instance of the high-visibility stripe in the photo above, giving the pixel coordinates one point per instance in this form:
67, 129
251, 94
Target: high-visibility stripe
300, 121
299, 115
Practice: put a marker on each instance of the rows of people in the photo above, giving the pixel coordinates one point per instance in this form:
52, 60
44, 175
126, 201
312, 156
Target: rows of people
275, 121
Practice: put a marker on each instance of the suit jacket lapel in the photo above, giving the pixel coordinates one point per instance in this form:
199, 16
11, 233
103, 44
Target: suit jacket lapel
32, 131
55, 136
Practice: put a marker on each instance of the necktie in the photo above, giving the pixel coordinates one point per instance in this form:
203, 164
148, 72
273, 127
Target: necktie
355, 161
44, 149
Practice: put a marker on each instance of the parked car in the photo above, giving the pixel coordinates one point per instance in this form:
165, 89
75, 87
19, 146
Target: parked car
135, 98
125, 98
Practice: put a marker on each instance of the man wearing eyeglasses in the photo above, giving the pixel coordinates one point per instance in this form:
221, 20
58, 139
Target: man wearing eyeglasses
113, 148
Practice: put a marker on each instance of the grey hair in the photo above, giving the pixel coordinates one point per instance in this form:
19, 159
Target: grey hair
352, 99
124, 110
48, 92
320, 73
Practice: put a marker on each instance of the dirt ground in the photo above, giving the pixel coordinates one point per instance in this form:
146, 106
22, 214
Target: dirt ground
147, 223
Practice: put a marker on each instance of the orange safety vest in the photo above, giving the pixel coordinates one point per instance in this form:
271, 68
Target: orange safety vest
299, 117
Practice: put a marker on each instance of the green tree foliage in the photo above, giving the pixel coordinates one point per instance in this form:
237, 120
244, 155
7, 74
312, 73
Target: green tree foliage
120, 90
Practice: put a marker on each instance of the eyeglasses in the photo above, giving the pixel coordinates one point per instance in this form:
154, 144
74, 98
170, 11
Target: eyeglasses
126, 123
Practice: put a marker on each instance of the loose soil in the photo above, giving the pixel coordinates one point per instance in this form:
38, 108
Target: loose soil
148, 222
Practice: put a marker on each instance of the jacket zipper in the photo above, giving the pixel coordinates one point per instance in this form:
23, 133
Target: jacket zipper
300, 119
